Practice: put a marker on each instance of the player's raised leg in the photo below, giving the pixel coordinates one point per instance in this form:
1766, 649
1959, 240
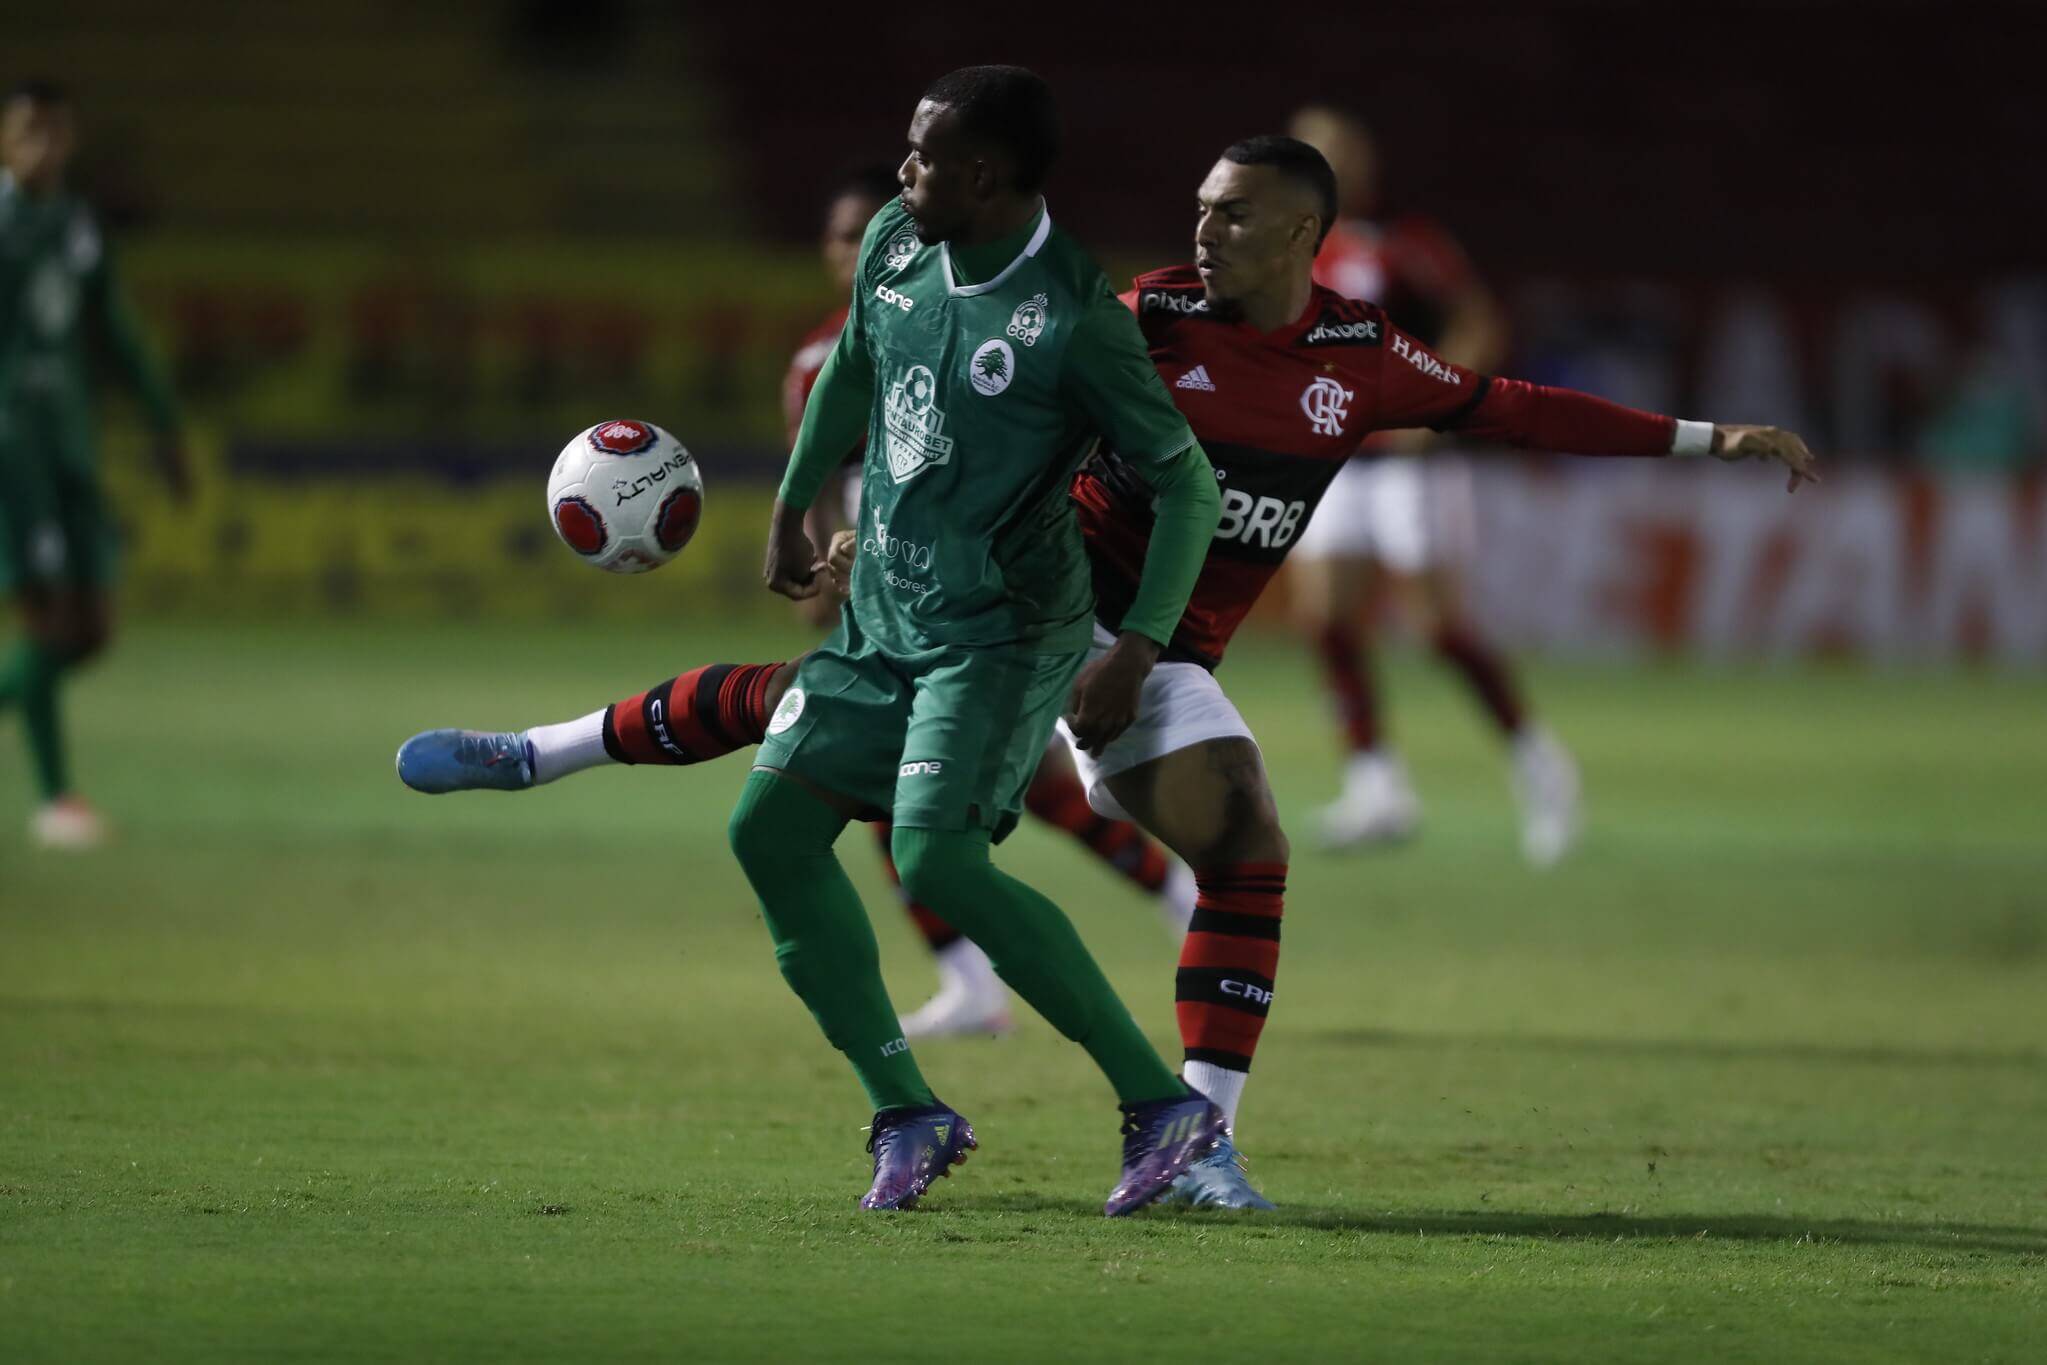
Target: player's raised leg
703, 714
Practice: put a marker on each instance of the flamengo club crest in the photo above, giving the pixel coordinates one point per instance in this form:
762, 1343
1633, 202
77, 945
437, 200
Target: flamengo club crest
1028, 321
914, 427
1327, 403
901, 248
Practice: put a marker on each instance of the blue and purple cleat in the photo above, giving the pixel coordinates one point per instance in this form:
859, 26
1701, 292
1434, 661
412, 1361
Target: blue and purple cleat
912, 1148
1218, 1181
466, 760
1160, 1140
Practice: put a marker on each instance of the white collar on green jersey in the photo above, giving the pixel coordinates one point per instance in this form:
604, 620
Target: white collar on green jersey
961, 291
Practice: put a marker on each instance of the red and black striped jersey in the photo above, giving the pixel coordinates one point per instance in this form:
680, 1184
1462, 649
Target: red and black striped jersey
1278, 413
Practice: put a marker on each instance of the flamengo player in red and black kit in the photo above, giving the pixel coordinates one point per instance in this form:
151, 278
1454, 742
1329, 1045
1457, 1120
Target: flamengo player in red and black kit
1399, 524
1281, 380
971, 998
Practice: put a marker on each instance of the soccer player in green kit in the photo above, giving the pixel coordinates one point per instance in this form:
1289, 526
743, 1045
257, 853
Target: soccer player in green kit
56, 534
983, 356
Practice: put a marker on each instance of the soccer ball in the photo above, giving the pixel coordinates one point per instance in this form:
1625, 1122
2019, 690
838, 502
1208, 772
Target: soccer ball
625, 496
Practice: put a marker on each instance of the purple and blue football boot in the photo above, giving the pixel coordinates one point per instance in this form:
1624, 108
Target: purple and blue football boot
466, 760
912, 1148
1160, 1140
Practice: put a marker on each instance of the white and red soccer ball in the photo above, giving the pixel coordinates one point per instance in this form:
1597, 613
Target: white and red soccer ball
625, 496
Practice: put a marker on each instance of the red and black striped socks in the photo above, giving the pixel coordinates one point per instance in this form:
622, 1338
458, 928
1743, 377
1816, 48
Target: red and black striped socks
1227, 965
705, 713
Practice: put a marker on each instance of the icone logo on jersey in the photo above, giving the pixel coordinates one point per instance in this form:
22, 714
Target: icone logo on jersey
1259, 520
914, 426
888, 295
1327, 403
1027, 323
622, 438
1169, 301
1426, 363
923, 767
1326, 333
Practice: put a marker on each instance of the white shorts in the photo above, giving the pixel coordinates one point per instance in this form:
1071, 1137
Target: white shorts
1182, 705
1408, 512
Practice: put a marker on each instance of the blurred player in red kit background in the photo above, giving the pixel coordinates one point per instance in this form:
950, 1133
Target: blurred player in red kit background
1398, 522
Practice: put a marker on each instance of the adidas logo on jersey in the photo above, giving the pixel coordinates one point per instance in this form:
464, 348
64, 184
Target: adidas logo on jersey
1196, 378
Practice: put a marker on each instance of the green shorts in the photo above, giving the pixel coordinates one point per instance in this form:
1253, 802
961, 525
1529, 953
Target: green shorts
55, 529
946, 739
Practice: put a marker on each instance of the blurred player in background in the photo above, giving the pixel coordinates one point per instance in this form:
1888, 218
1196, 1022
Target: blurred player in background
971, 998
1402, 524
57, 294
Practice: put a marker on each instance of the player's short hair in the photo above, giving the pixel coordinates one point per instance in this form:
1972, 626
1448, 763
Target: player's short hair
1009, 106
37, 90
1296, 160
876, 182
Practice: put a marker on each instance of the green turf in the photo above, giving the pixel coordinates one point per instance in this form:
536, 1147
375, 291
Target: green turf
309, 1067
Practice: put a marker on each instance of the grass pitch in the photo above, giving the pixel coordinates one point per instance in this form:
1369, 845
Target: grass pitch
310, 1067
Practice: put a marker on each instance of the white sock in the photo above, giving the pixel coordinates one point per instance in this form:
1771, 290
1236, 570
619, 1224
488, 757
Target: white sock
962, 966
570, 747
1224, 1087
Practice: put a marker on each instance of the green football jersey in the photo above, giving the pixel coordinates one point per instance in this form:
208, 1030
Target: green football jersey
986, 397
56, 287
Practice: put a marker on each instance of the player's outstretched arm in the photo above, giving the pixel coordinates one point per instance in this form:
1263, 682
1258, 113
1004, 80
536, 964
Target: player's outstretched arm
1417, 389
833, 422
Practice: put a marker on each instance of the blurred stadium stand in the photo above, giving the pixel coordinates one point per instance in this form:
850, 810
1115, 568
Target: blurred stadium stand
415, 246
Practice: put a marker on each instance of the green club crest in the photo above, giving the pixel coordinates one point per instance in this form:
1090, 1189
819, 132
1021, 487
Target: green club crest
1028, 321
993, 366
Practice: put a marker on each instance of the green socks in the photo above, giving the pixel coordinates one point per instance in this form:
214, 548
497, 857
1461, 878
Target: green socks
29, 678
1035, 949
823, 942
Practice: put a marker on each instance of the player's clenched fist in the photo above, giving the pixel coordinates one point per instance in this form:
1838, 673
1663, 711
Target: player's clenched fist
1787, 448
1107, 692
792, 565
